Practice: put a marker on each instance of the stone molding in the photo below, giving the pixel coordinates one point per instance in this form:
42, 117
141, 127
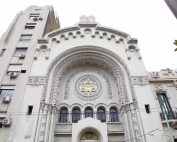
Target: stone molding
36, 80
91, 57
139, 80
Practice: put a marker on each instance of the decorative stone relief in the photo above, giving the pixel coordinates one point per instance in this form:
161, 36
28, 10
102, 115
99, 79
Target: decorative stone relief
87, 20
63, 128
88, 87
67, 59
158, 87
139, 80
115, 127
92, 71
36, 80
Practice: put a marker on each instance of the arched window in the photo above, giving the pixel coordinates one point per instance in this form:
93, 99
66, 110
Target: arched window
88, 112
113, 115
63, 117
76, 115
101, 115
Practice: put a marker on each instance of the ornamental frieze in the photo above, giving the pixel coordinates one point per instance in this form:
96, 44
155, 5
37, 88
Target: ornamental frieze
36, 80
139, 80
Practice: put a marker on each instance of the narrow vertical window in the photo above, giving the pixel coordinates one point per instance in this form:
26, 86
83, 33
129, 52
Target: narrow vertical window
165, 106
63, 116
113, 115
30, 109
88, 112
76, 115
101, 114
147, 108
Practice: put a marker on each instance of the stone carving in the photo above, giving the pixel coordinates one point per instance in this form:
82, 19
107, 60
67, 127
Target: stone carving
115, 127
102, 58
36, 80
87, 20
88, 87
92, 58
97, 71
158, 87
140, 80
63, 128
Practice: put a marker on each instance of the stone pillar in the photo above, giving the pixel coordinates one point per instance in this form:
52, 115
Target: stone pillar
69, 117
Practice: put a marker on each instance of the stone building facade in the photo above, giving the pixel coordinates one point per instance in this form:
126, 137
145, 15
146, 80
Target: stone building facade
84, 83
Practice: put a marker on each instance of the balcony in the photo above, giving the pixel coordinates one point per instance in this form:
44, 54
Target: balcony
171, 119
170, 116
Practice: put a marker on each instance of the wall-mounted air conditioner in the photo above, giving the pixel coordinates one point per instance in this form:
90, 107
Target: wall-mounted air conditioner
22, 56
6, 99
6, 122
13, 75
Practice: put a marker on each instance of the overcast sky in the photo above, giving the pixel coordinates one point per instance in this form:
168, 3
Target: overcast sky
150, 21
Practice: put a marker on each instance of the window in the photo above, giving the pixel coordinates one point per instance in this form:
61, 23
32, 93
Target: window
14, 68
6, 90
30, 26
34, 15
30, 109
25, 37
101, 115
165, 106
2, 52
20, 51
76, 115
147, 108
88, 112
63, 116
113, 115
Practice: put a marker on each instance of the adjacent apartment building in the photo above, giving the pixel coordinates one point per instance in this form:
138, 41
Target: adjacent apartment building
84, 83
172, 4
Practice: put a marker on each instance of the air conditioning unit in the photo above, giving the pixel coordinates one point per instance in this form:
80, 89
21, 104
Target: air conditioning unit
22, 56
6, 99
13, 75
6, 122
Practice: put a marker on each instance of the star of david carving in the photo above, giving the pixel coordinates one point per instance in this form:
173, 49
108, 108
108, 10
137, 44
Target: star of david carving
88, 87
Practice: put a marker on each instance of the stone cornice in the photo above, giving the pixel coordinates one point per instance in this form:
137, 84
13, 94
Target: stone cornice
162, 80
98, 28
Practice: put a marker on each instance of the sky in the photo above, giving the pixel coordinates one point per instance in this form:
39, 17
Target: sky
150, 21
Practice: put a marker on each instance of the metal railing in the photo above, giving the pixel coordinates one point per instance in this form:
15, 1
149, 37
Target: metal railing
170, 115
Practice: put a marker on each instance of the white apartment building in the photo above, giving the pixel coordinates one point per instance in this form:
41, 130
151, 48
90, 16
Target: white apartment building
84, 83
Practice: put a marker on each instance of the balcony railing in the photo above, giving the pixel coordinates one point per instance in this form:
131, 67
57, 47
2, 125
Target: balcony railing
171, 115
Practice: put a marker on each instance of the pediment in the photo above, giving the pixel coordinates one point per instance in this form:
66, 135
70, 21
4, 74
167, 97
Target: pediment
87, 25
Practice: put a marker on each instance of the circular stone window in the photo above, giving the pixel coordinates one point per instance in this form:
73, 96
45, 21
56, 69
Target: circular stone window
88, 87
